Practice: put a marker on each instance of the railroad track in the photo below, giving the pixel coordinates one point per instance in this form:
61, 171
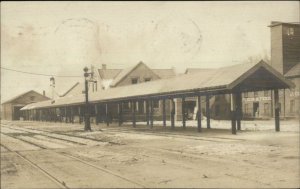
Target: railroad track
145, 132
61, 184
169, 134
58, 133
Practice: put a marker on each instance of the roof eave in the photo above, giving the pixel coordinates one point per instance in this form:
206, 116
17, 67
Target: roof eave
263, 64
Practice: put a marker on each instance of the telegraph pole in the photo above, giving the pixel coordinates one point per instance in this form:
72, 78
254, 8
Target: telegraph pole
87, 124
52, 84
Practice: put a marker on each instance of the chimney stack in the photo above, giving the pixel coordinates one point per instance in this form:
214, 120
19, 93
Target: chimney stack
44, 93
103, 66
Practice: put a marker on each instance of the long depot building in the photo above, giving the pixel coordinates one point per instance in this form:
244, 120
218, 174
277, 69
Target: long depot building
123, 103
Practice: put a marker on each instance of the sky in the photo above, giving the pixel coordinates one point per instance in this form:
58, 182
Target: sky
61, 38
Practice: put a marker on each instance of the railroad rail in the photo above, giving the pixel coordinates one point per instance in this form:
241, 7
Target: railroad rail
56, 180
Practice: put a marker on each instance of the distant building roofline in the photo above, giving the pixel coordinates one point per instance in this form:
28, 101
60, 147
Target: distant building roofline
22, 94
277, 23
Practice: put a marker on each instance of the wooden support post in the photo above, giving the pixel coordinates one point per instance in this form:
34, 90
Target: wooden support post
147, 111
72, 114
66, 115
120, 113
277, 109
133, 113
233, 113
199, 113
80, 113
151, 113
96, 114
43, 115
164, 112
207, 112
107, 114
60, 114
238, 110
173, 114
183, 112
37, 115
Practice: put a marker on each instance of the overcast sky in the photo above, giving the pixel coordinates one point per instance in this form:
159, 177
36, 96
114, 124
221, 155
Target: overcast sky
60, 38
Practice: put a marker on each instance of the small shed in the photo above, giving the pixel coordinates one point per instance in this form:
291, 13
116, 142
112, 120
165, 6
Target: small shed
10, 109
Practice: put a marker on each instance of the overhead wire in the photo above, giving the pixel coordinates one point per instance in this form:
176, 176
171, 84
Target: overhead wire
40, 74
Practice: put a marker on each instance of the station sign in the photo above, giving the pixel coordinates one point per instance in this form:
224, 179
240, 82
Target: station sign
294, 93
261, 98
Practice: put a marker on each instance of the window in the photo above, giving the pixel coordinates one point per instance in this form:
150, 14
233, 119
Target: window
255, 94
247, 109
147, 79
290, 31
32, 98
266, 109
134, 80
246, 94
292, 106
266, 93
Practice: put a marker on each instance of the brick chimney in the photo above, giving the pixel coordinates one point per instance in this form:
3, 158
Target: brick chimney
44, 93
103, 66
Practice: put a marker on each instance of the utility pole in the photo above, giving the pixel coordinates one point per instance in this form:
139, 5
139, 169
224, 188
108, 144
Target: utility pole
52, 85
87, 124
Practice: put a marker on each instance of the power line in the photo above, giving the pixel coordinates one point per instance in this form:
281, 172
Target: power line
31, 73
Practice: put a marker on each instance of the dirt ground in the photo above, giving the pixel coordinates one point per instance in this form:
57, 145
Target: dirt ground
60, 155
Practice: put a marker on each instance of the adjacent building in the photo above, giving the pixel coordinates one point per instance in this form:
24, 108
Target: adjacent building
285, 58
10, 109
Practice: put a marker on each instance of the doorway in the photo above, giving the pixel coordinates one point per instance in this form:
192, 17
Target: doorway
255, 109
17, 113
190, 109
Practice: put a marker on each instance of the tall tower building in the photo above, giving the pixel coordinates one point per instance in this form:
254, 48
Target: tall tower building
285, 45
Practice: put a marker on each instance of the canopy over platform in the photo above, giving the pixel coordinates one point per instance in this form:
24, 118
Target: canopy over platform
231, 79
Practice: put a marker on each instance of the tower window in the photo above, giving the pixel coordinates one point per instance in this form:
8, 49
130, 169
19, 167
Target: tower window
290, 31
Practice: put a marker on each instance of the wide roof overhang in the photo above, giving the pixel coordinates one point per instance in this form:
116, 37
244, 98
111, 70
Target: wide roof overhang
231, 79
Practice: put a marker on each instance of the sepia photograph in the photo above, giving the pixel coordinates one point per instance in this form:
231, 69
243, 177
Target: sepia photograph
150, 94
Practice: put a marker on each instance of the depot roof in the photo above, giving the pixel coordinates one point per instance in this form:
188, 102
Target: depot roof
237, 78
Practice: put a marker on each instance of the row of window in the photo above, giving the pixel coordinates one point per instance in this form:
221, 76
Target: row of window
136, 80
246, 94
290, 31
255, 110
